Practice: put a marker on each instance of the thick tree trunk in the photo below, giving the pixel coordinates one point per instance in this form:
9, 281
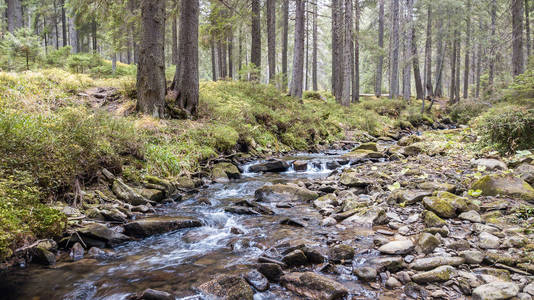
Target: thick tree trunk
493, 45
438, 92
298, 53
230, 53
380, 63
174, 43
255, 49
306, 51
14, 15
73, 36
271, 39
420, 94
428, 54
213, 62
517, 32
64, 23
407, 74
527, 27
314, 51
56, 27
186, 78
394, 61
347, 55
337, 61
151, 67
285, 36
467, 49
355, 60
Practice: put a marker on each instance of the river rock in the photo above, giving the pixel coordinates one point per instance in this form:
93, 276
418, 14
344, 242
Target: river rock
156, 225
408, 140
228, 287
295, 258
504, 185
365, 273
150, 294
272, 165
529, 288
432, 220
397, 247
257, 280
353, 179
42, 256
490, 164
410, 196
428, 263
437, 186
389, 263
127, 194
223, 171
471, 216
495, 291
367, 146
526, 171
393, 283
272, 271
300, 165
439, 274
367, 217
326, 204
98, 235
439, 206
411, 150
155, 195
473, 257
240, 210
362, 154
488, 241
313, 286
427, 242
284, 192
77, 252
341, 252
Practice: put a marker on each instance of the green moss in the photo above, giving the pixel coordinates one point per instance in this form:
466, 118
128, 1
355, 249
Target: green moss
432, 220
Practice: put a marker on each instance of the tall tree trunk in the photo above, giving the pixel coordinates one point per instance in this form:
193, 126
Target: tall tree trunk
479, 60
73, 36
438, 92
517, 32
314, 54
527, 25
380, 63
298, 53
467, 49
416, 71
255, 49
407, 70
458, 66
14, 15
337, 61
428, 53
224, 60
347, 54
213, 62
64, 23
240, 50
56, 28
355, 62
306, 51
230, 53
394, 61
186, 78
174, 43
93, 35
452, 92
493, 45
285, 36
271, 39
151, 67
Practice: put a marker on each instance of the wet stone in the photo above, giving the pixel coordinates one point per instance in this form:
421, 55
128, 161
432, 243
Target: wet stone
314, 286
365, 273
341, 252
397, 247
257, 280
156, 225
228, 287
150, 294
295, 258
271, 271
77, 252
495, 291
439, 274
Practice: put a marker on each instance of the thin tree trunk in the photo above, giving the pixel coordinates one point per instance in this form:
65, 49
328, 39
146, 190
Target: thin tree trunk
230, 53
314, 54
467, 49
174, 43
527, 25
224, 60
458, 66
380, 63
347, 54
355, 60
186, 84
271, 39
452, 92
240, 50
306, 51
407, 70
14, 15
517, 32
394, 61
428, 54
56, 28
93, 35
493, 45
298, 53
416, 71
255, 49
285, 35
479, 60
438, 92
151, 67
64, 23
213, 62
73, 35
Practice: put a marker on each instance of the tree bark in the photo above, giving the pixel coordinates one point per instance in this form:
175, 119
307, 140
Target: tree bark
428, 54
479, 60
14, 15
73, 35
347, 55
298, 54
337, 60
314, 51
306, 51
151, 67
467, 50
493, 45
93, 35
174, 48
452, 92
458, 67
517, 32
355, 60
438, 91
64, 23
527, 25
230, 53
407, 76
186, 82
380, 63
213, 62
394, 61
255, 49
420, 94
56, 28
285, 35
271, 39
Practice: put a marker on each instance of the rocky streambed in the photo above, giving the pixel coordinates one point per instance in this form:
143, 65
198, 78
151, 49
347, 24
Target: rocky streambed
387, 220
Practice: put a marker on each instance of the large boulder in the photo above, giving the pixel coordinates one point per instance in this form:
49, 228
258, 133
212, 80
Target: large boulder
284, 192
364, 154
367, 146
314, 286
432, 220
504, 185
223, 171
156, 225
228, 287
341, 252
526, 171
272, 165
445, 204
427, 242
408, 140
495, 291
98, 235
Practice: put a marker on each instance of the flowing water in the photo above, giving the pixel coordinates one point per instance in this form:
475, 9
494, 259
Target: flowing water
180, 261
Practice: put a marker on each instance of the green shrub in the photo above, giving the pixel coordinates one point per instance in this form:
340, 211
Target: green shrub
58, 57
82, 62
22, 44
312, 95
507, 129
464, 111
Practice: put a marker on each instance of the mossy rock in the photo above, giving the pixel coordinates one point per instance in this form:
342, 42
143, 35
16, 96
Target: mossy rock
224, 171
432, 220
352, 179
505, 185
364, 154
439, 206
459, 203
184, 182
367, 146
284, 192
437, 186
408, 140
439, 274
